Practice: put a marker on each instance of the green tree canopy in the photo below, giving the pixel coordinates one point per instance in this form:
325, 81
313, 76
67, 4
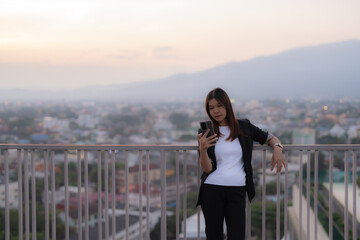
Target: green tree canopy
180, 120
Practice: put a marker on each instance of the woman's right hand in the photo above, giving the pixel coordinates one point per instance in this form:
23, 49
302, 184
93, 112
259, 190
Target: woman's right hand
205, 142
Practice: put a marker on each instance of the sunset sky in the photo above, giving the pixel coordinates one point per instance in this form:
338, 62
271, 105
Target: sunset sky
69, 44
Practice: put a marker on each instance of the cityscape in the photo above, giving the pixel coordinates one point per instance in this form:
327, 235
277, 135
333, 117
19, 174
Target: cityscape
293, 121
91, 122
101, 104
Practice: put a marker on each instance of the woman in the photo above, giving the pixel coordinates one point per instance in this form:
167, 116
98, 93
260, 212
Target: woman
225, 157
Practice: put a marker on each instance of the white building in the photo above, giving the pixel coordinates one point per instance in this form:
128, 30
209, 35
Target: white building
354, 131
56, 124
294, 218
60, 194
87, 120
163, 123
102, 137
303, 136
337, 131
192, 227
13, 195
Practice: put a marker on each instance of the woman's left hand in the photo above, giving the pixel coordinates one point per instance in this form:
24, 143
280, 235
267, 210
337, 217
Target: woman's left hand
277, 159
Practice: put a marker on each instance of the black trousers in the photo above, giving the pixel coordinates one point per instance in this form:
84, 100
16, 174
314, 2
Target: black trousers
224, 202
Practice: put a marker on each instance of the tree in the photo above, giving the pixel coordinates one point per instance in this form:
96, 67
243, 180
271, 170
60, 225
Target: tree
256, 219
180, 120
72, 174
271, 188
285, 137
328, 139
355, 140
171, 220
93, 176
126, 119
170, 228
187, 137
321, 166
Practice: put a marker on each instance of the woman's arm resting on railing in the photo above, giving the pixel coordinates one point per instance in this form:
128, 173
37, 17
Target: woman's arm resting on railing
277, 157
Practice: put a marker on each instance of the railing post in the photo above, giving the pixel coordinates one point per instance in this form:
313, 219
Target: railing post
66, 179
301, 193
331, 163
147, 195
316, 187
26, 189
198, 187
263, 225
286, 194
53, 204
346, 213
7, 210
278, 206
163, 195
177, 195
127, 195
79, 194
354, 165
99, 153
140, 194
33, 196
20, 186
86, 185
308, 168
106, 182
46, 192
185, 196
113, 200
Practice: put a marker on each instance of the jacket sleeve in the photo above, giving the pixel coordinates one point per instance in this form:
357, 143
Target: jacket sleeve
258, 134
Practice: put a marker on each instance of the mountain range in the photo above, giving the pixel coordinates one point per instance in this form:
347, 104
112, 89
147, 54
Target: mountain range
328, 70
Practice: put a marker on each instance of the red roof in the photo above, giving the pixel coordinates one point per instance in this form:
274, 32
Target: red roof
136, 167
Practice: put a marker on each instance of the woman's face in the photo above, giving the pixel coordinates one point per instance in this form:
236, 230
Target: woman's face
218, 112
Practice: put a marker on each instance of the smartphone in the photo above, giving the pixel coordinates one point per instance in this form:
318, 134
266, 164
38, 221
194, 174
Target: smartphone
204, 128
203, 131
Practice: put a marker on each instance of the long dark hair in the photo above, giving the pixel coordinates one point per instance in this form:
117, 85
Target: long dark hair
221, 96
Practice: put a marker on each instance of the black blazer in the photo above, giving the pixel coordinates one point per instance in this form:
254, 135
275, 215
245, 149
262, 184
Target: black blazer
252, 133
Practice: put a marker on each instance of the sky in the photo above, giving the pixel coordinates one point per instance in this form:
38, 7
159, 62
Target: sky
70, 43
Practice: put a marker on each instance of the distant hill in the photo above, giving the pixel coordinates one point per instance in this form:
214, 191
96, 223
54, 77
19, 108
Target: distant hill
327, 70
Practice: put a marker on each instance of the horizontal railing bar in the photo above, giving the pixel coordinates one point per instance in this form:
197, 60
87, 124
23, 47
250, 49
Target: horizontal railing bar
96, 147
170, 147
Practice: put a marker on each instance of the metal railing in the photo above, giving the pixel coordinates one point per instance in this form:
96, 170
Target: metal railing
109, 155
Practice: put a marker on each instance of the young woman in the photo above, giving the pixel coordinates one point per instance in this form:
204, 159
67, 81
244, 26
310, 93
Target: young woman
225, 158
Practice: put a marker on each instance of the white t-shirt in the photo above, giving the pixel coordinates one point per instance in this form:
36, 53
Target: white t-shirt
230, 165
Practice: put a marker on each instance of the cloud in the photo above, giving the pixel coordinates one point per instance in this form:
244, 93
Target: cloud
168, 56
163, 49
164, 52
127, 54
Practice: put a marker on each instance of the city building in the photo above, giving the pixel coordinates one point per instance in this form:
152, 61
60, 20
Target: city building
13, 194
303, 136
